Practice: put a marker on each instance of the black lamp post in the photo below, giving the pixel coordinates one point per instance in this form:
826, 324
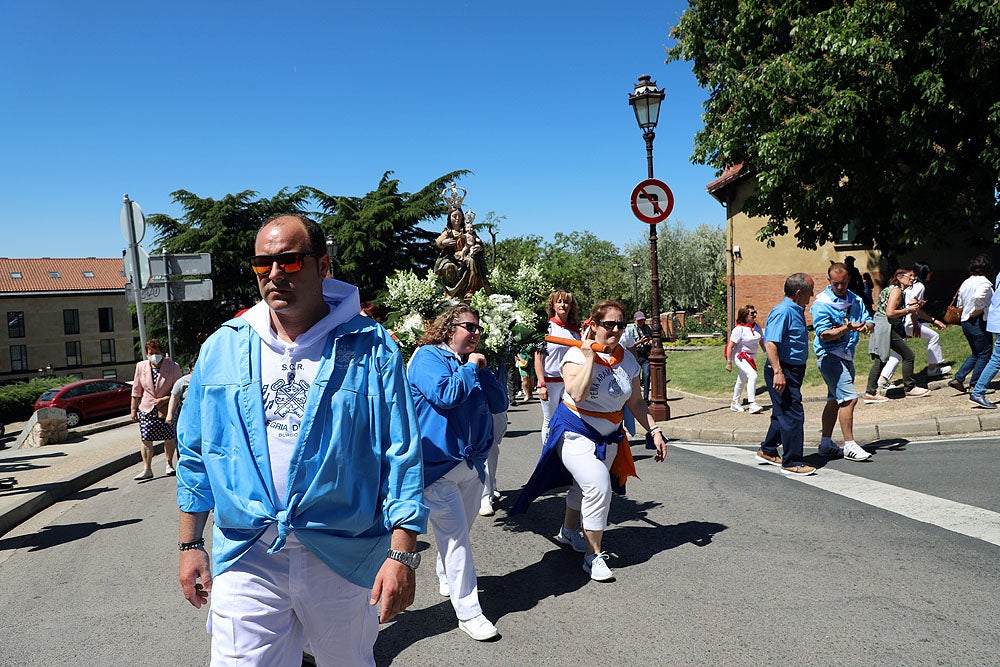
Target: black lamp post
645, 101
635, 272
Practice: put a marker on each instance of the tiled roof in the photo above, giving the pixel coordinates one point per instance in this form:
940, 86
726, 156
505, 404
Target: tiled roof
38, 275
730, 175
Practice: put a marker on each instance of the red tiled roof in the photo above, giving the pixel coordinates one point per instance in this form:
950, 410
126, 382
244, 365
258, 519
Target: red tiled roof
74, 274
730, 175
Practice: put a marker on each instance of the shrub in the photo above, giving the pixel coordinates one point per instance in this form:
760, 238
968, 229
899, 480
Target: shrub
17, 401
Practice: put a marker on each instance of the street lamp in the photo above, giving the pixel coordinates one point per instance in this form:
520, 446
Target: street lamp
645, 102
635, 272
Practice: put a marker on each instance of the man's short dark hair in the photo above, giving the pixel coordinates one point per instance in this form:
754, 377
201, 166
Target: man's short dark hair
317, 237
794, 283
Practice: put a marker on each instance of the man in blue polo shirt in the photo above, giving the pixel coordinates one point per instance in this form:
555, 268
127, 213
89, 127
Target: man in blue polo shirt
838, 315
786, 342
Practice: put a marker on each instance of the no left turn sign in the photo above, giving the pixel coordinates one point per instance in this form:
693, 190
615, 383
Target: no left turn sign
652, 201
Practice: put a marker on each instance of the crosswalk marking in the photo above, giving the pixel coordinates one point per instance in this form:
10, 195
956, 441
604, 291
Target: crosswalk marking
975, 522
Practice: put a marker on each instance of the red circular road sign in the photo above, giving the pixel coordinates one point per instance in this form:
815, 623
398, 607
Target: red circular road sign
652, 201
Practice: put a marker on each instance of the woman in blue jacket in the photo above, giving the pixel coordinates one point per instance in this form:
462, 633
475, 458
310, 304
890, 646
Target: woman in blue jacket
455, 397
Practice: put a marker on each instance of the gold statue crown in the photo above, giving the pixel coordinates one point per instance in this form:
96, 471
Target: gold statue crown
454, 200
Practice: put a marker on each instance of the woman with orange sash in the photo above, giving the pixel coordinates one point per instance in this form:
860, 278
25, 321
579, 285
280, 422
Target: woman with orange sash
586, 444
564, 321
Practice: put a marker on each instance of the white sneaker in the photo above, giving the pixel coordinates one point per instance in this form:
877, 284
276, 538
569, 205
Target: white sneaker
736, 407
755, 408
573, 538
479, 628
596, 566
145, 474
856, 453
831, 451
486, 507
170, 470
938, 372
443, 588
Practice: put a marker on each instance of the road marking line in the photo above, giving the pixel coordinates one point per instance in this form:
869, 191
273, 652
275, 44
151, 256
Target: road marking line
976, 522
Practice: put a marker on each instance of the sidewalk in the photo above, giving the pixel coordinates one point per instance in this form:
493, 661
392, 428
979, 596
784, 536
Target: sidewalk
33, 479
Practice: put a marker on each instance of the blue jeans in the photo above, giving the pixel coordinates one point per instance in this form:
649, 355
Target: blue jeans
981, 344
991, 368
787, 416
644, 367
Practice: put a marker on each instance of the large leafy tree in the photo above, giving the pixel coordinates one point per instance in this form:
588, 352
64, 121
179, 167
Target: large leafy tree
880, 113
380, 233
690, 262
226, 229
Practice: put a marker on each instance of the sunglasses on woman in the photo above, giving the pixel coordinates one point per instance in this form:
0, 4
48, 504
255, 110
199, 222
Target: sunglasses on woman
289, 262
471, 327
613, 324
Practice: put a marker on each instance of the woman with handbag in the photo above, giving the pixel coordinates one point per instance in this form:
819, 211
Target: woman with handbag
151, 387
889, 336
974, 298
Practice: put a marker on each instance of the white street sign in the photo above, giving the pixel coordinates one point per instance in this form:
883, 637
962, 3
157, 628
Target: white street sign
180, 290
138, 222
198, 264
144, 269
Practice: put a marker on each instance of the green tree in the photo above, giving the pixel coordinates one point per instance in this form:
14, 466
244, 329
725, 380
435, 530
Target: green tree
226, 229
880, 114
380, 233
690, 262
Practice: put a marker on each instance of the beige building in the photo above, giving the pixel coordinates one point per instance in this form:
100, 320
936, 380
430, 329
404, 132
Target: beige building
756, 273
65, 317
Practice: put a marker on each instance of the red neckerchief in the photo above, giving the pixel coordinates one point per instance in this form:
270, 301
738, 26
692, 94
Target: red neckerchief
571, 327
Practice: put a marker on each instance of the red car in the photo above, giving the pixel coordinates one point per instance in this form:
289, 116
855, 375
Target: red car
87, 399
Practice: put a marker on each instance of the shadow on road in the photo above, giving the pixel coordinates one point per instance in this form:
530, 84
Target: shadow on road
52, 536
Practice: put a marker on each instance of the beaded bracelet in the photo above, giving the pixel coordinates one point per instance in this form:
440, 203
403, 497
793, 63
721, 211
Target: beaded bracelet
188, 546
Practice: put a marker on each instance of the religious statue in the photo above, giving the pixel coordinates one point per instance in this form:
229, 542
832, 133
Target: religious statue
461, 263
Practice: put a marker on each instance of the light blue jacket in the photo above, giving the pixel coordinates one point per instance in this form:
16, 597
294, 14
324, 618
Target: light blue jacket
829, 312
355, 473
455, 404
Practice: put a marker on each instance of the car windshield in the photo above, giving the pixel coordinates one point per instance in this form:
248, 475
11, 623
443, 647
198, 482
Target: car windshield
49, 395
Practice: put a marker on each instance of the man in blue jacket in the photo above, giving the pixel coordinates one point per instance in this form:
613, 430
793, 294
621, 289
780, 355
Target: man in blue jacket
299, 433
838, 316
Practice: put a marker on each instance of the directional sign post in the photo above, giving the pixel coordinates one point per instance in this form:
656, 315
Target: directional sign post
134, 228
175, 290
652, 201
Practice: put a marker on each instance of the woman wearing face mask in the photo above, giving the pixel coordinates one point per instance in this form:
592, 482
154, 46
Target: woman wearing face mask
154, 379
455, 397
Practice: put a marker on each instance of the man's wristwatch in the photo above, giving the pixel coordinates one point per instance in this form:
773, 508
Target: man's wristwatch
407, 558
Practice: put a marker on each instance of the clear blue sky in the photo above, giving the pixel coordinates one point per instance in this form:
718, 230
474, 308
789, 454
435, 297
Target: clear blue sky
217, 97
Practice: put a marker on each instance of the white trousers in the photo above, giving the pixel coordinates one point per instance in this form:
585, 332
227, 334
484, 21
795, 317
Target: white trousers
453, 502
499, 429
267, 607
934, 355
549, 406
746, 376
591, 490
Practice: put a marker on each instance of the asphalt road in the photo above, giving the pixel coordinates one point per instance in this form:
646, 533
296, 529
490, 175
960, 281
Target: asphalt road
717, 562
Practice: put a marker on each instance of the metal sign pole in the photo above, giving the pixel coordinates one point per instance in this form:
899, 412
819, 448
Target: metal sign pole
136, 275
170, 324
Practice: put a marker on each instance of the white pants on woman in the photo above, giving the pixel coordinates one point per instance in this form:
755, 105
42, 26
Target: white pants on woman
549, 406
453, 502
267, 607
934, 355
746, 376
591, 490
499, 429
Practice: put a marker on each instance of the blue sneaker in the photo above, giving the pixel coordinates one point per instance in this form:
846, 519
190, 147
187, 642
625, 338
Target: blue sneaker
980, 400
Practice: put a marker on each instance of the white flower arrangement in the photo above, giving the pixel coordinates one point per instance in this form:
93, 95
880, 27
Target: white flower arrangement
504, 321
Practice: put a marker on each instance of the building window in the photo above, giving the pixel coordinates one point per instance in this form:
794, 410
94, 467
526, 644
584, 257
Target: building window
88, 274
16, 274
106, 319
108, 351
18, 357
15, 324
71, 321
110, 374
73, 355
848, 233
54, 274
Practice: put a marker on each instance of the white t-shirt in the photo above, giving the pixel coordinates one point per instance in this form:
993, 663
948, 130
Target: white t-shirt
745, 339
610, 386
974, 294
554, 353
